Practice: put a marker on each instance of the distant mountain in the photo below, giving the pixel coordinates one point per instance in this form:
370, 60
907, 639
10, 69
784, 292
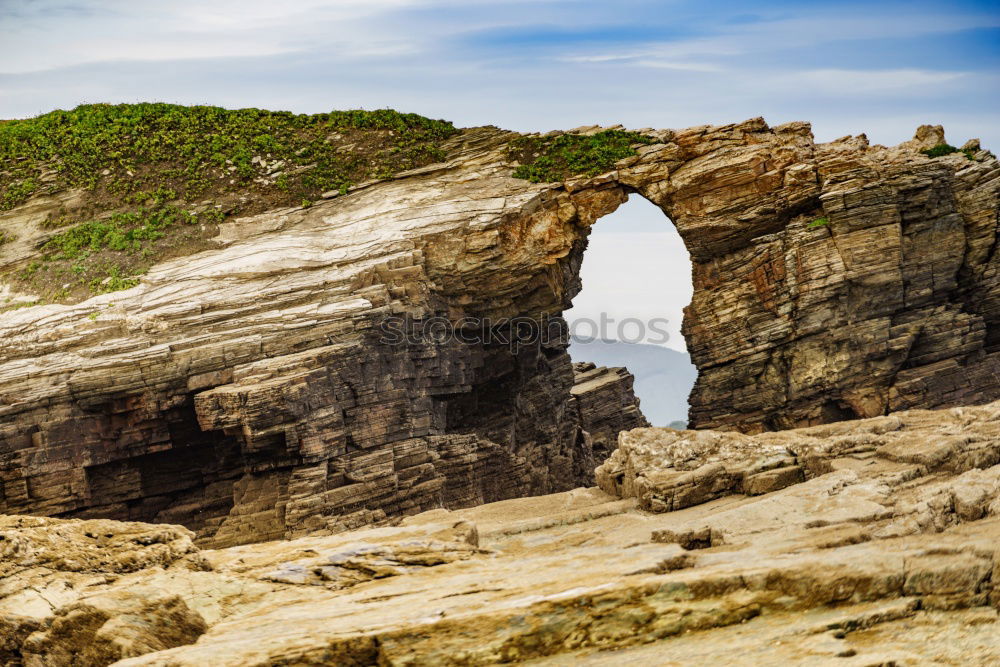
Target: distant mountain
663, 377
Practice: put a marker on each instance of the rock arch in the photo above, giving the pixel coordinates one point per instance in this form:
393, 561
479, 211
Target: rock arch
831, 281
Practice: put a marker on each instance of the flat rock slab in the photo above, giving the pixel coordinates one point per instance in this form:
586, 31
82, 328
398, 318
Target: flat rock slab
861, 564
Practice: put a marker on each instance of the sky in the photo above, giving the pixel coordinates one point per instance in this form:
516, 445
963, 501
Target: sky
849, 67
881, 68
636, 273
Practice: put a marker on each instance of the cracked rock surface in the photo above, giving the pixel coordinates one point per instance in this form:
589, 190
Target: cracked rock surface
875, 558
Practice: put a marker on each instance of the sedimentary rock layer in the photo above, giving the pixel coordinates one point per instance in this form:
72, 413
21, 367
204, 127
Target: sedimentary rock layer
886, 554
607, 406
288, 380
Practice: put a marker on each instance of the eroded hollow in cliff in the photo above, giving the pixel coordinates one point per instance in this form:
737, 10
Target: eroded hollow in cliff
182, 474
636, 278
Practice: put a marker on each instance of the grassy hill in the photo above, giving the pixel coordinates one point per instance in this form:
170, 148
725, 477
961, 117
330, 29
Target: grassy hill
156, 179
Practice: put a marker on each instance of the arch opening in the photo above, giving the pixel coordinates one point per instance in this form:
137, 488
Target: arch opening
636, 276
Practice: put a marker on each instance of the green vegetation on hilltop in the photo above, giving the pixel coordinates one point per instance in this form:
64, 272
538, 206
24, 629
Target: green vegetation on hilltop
119, 232
200, 149
158, 178
551, 159
947, 149
17, 191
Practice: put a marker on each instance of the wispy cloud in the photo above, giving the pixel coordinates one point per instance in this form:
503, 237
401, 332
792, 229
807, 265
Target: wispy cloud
525, 64
48, 34
680, 66
866, 82
814, 33
640, 61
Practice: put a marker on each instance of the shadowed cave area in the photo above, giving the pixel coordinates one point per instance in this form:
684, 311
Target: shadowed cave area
188, 479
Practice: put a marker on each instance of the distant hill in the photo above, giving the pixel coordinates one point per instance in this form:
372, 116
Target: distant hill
663, 377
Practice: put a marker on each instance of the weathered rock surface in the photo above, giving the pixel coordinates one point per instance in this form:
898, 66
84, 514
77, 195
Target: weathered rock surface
887, 554
670, 470
606, 405
263, 389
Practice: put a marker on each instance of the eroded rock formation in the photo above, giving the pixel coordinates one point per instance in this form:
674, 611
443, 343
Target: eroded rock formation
667, 470
262, 389
607, 406
886, 554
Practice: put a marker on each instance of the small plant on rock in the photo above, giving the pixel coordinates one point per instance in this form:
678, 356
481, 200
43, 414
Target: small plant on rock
551, 159
947, 149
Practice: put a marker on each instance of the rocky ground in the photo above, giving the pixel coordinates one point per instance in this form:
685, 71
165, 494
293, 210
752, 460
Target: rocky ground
871, 542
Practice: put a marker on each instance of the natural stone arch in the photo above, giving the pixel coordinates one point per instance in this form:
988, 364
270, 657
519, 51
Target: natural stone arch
328, 427
636, 276
813, 299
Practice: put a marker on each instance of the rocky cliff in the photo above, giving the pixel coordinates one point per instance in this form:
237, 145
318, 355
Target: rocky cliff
881, 548
277, 373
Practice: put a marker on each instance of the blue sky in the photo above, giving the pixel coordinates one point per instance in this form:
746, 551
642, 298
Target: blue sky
882, 68
849, 67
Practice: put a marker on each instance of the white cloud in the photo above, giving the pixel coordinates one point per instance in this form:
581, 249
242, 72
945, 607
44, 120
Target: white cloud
679, 66
603, 58
637, 60
863, 82
731, 44
194, 29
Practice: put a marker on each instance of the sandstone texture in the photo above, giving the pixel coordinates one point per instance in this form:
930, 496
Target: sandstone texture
886, 554
274, 385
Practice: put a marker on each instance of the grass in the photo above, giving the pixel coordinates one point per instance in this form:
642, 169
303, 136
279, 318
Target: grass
17, 192
818, 222
109, 253
202, 150
158, 178
947, 149
18, 306
552, 159
113, 281
120, 232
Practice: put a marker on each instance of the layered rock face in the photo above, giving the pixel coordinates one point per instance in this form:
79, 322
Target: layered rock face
276, 385
886, 553
831, 281
607, 406
282, 383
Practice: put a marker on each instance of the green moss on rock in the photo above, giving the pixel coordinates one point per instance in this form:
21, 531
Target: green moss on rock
947, 149
149, 171
551, 159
